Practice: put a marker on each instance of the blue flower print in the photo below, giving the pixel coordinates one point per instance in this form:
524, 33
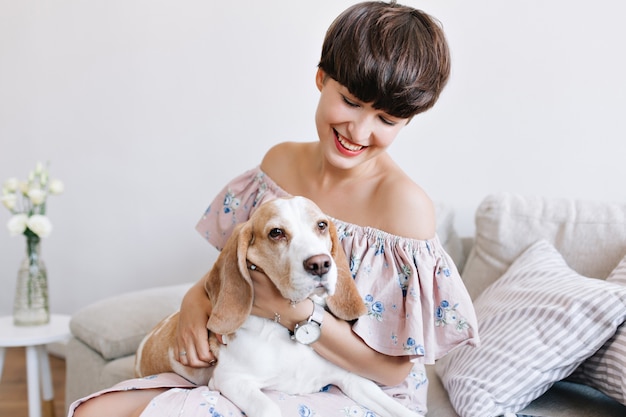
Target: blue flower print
357, 411
443, 270
380, 246
260, 193
231, 203
445, 314
462, 324
374, 308
413, 348
305, 411
403, 279
418, 377
211, 401
355, 263
342, 231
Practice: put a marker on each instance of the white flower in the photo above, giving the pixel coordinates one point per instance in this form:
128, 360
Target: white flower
9, 201
23, 186
37, 196
26, 200
56, 187
17, 224
40, 225
10, 185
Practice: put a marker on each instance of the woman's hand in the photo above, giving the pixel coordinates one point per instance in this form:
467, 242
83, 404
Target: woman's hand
192, 336
269, 303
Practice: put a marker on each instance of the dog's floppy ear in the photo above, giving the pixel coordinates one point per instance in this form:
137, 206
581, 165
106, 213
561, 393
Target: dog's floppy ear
346, 303
229, 285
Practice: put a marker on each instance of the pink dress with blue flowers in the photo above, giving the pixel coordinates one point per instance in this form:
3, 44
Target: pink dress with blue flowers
417, 306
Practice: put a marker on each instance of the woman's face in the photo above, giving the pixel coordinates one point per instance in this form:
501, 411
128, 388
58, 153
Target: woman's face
351, 131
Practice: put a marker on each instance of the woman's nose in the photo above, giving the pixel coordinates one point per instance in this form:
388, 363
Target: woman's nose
361, 129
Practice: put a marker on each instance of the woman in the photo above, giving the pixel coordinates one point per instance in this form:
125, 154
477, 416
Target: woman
381, 64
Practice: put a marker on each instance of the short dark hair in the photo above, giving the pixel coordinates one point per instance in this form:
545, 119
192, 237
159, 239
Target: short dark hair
393, 56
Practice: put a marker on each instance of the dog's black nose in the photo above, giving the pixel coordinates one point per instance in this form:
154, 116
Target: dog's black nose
318, 264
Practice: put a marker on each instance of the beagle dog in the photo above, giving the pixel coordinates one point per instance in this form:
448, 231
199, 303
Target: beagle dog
296, 246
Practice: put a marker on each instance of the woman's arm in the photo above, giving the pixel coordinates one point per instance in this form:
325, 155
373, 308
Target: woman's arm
192, 333
338, 343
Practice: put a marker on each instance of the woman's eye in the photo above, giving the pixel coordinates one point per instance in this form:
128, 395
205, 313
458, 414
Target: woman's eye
349, 102
277, 233
387, 121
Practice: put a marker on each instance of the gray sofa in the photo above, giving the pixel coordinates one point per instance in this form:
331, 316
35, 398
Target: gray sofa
591, 236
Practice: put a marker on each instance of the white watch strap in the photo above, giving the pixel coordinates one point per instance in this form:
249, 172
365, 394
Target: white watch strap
318, 314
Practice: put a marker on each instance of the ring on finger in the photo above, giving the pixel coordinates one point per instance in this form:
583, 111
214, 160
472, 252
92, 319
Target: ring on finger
213, 362
183, 353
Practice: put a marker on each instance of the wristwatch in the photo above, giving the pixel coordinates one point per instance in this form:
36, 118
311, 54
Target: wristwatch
309, 330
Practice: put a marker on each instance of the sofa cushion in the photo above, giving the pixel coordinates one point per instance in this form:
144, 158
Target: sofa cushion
606, 369
537, 324
115, 326
448, 235
590, 235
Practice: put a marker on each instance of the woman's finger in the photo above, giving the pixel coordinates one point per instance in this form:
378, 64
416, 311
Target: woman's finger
202, 355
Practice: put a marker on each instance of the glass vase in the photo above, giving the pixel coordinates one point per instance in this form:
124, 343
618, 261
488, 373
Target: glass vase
31, 294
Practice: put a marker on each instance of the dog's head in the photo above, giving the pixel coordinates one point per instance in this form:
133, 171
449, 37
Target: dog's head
296, 245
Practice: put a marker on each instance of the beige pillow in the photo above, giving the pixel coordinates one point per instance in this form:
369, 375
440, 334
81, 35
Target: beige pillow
606, 369
590, 235
537, 324
115, 326
447, 234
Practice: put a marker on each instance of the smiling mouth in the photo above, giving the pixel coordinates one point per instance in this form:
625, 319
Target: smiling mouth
347, 144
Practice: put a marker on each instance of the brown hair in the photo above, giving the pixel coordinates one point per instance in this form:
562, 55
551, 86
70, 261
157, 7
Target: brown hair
393, 56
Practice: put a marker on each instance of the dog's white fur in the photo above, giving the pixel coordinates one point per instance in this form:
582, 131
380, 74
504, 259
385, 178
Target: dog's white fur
258, 353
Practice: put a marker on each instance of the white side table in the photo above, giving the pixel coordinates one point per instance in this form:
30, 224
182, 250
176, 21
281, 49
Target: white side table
34, 339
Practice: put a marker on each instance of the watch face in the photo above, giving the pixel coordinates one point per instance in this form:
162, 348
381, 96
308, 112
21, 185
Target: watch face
308, 333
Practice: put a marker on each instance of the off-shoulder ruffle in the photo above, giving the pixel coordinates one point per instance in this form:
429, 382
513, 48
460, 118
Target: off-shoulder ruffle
417, 302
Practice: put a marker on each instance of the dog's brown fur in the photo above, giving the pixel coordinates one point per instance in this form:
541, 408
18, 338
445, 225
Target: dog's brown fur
229, 287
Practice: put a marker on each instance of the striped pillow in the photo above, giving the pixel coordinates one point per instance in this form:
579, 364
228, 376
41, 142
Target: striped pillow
537, 323
606, 369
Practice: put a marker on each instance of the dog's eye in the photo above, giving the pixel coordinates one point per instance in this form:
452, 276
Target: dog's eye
277, 233
321, 226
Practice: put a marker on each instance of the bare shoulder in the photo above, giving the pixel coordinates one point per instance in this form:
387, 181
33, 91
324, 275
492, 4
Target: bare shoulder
408, 210
276, 154
280, 158
283, 163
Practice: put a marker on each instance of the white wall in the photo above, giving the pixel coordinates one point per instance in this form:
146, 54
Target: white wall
146, 108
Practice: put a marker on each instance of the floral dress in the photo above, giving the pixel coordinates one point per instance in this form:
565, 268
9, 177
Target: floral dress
417, 306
